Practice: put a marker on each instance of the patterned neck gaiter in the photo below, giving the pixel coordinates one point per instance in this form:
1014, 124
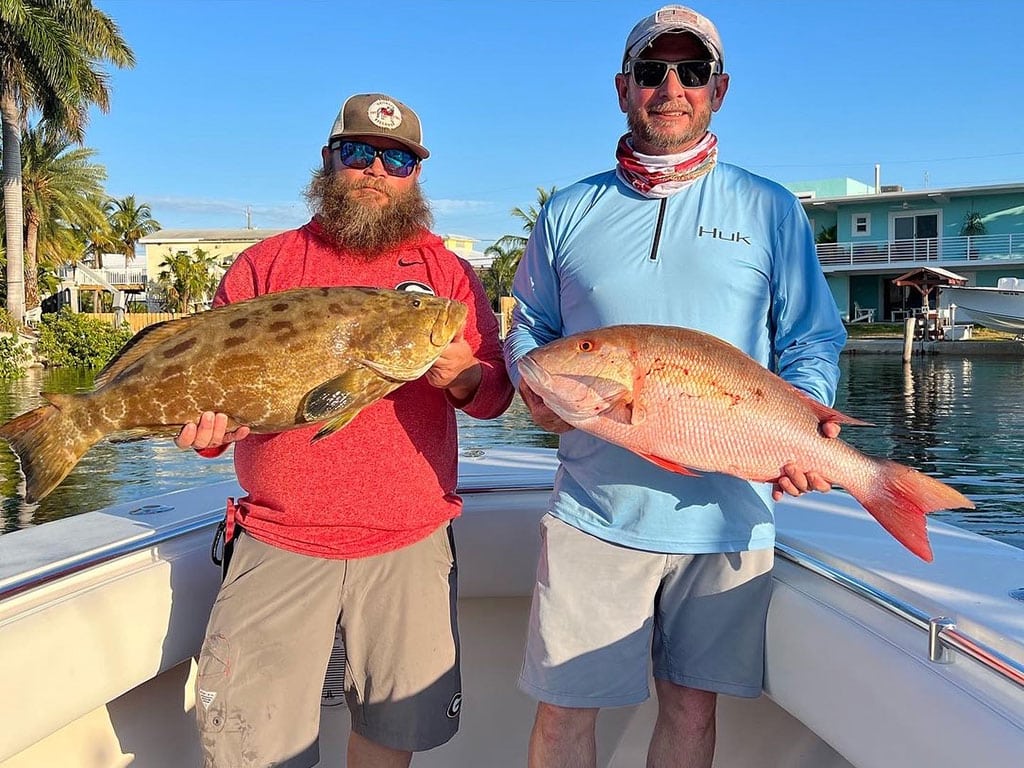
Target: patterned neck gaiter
663, 175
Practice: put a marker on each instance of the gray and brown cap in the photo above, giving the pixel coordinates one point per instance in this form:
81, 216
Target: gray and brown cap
674, 18
367, 115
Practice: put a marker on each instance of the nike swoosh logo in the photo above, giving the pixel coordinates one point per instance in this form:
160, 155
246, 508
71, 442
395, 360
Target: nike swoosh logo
407, 263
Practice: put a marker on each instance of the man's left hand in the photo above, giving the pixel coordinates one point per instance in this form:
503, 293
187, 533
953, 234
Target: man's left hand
456, 370
795, 481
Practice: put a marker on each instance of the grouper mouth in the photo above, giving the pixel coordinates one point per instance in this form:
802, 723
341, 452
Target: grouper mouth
448, 323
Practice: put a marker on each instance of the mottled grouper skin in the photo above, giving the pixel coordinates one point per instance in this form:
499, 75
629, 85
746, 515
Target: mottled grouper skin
254, 360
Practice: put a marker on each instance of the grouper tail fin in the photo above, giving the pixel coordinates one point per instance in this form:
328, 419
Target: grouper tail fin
48, 442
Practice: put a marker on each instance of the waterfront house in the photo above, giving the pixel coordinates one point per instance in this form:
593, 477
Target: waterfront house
867, 236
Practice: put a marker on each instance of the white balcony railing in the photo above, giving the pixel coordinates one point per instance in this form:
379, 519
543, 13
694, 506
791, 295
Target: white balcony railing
932, 251
121, 276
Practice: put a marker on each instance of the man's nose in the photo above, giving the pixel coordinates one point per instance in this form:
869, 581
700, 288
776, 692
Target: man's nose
376, 168
672, 86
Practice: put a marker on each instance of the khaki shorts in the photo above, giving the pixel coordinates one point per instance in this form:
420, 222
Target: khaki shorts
601, 612
270, 635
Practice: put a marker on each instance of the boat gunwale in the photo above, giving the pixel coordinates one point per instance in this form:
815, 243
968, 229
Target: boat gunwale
940, 630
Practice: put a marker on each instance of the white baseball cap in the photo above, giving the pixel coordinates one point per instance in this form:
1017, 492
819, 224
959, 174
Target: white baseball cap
674, 18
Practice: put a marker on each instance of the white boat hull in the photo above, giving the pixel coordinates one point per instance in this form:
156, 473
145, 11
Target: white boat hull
95, 665
996, 308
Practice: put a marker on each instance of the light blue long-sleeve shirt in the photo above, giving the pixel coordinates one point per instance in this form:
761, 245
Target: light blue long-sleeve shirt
733, 255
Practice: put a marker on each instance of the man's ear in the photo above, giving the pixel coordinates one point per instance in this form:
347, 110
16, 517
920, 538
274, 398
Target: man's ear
621, 89
325, 153
721, 86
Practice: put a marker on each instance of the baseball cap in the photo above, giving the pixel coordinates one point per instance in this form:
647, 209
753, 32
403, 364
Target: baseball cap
674, 18
366, 115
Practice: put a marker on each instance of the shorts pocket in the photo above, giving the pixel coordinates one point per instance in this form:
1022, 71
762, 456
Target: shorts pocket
212, 683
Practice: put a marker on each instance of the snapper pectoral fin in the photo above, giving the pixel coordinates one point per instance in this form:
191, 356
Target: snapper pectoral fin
626, 411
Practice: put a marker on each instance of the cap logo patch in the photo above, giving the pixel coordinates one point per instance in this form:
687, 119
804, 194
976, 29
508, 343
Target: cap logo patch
681, 15
385, 114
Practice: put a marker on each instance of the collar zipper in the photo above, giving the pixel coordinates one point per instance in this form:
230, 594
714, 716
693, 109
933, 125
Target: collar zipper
657, 229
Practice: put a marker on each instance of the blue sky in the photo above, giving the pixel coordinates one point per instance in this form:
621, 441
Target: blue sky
231, 100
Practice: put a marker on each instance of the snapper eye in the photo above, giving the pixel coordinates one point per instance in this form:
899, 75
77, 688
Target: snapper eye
586, 346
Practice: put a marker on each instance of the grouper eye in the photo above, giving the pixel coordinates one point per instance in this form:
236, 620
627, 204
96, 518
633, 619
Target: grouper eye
417, 303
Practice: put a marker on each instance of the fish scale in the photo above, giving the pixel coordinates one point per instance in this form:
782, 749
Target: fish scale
690, 402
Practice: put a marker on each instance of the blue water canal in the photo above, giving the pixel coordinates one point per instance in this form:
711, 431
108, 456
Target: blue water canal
957, 418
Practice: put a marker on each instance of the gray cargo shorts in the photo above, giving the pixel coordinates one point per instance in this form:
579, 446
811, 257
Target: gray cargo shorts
270, 635
602, 612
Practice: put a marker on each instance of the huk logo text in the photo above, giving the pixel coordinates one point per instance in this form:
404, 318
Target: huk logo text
718, 234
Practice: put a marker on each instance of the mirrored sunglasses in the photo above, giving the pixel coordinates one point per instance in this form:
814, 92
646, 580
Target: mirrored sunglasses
651, 73
359, 155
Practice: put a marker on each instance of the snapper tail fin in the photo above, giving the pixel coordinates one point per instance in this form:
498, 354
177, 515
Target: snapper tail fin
899, 497
48, 443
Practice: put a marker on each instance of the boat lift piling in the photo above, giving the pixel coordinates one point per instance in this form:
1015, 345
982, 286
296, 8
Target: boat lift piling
908, 338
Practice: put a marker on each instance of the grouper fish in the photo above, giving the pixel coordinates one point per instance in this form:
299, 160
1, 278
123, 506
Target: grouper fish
690, 402
276, 362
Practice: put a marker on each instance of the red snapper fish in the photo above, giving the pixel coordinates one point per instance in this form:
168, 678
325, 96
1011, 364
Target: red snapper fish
689, 401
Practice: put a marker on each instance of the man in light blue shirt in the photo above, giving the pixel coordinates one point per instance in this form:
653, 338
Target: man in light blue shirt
637, 560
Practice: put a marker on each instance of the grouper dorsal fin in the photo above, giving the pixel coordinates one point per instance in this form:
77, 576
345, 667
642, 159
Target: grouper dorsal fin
138, 346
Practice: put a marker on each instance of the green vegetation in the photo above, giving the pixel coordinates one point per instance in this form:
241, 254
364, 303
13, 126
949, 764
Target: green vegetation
508, 250
129, 222
61, 186
51, 57
13, 356
187, 280
70, 340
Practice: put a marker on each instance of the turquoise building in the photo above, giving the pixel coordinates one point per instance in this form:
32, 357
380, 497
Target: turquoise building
868, 235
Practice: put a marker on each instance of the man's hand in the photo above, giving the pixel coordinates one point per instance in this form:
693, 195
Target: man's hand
211, 431
456, 370
542, 416
795, 481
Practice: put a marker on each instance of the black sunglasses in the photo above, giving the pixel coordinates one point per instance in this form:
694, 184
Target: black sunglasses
651, 73
359, 155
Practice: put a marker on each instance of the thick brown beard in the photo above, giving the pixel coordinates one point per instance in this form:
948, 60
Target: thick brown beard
362, 228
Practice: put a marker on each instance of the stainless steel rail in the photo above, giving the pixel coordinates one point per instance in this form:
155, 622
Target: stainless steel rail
942, 632
45, 575
105, 554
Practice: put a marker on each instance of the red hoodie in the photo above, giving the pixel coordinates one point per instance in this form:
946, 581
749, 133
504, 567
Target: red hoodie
388, 478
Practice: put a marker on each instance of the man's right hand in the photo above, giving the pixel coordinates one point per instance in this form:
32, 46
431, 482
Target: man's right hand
211, 431
542, 416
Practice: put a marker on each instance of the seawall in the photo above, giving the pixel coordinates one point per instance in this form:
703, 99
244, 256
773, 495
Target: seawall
895, 347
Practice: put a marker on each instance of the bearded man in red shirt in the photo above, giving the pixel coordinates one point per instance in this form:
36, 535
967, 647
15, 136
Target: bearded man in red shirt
353, 531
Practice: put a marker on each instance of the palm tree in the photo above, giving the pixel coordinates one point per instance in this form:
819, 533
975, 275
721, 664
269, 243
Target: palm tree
188, 279
129, 223
529, 217
61, 186
51, 53
498, 277
99, 239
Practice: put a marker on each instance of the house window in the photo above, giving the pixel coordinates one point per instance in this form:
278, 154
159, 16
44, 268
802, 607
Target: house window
861, 226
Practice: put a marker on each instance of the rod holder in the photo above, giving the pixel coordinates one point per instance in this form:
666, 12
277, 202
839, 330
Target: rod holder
938, 651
